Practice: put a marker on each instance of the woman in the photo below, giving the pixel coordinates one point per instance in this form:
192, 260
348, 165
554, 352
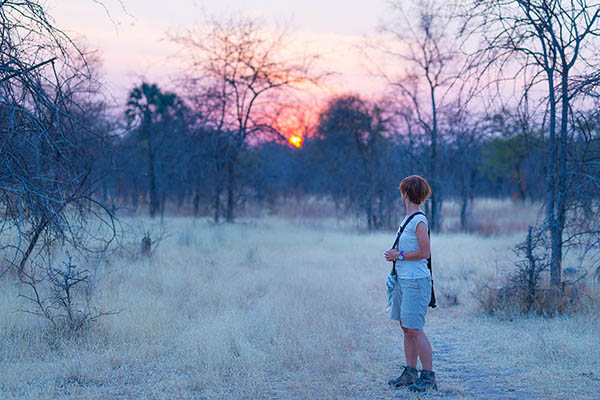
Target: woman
412, 292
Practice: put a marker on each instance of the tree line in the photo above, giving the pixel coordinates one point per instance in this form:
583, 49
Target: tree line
354, 155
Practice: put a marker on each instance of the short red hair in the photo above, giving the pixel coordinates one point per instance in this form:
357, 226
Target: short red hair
416, 188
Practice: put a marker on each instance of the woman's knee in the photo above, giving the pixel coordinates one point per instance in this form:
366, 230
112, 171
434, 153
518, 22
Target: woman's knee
414, 333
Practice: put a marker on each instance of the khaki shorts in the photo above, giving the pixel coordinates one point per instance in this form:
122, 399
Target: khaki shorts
410, 300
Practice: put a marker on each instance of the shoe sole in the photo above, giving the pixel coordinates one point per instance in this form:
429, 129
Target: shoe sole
399, 385
415, 389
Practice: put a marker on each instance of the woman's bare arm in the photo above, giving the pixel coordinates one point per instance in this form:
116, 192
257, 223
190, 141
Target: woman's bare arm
424, 246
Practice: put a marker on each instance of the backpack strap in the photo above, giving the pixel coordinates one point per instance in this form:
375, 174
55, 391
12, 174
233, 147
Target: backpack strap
432, 300
404, 225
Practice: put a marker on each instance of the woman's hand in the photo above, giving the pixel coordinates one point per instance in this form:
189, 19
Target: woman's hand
391, 255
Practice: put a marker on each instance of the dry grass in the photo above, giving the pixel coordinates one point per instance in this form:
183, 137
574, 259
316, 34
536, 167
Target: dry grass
491, 217
273, 309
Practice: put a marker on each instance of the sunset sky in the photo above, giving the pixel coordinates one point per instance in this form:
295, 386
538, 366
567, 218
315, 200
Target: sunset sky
132, 41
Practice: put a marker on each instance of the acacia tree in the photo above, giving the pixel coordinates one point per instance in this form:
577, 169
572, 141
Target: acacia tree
236, 65
353, 145
554, 39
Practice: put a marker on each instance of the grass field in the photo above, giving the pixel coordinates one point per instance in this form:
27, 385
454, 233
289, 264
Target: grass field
280, 309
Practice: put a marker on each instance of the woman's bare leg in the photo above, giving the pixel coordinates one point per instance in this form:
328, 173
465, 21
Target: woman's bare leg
410, 348
422, 346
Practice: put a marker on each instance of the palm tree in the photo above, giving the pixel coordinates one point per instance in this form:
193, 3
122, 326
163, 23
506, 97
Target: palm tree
147, 109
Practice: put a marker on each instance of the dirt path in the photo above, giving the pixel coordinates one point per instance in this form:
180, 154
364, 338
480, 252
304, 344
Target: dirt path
458, 376
465, 377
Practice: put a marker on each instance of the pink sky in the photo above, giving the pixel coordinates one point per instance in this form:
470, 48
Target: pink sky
132, 41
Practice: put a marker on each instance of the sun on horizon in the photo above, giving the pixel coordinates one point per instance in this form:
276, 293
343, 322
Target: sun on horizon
296, 141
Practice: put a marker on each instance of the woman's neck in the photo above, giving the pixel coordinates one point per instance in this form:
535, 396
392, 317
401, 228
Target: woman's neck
412, 208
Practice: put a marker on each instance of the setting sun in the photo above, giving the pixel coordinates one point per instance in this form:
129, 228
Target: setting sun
296, 141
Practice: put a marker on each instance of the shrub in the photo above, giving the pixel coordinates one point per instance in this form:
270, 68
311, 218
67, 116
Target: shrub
448, 293
527, 290
62, 296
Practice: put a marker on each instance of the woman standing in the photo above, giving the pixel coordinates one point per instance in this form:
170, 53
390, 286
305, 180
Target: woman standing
412, 291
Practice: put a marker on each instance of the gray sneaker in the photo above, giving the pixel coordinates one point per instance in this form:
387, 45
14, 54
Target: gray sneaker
425, 382
408, 377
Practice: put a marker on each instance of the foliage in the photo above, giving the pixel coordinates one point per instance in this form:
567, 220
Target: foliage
353, 144
155, 117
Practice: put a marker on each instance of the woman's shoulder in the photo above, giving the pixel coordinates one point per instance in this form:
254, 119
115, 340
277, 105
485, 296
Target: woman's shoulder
420, 218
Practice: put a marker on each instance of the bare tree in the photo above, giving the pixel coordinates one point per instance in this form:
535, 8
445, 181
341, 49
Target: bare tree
582, 227
45, 149
238, 65
555, 40
426, 48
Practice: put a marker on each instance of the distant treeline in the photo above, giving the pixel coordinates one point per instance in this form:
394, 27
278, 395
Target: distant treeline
356, 155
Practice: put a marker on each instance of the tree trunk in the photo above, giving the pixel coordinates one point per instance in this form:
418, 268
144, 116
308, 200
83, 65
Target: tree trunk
467, 197
34, 239
559, 218
463, 210
369, 213
381, 217
552, 183
439, 205
154, 202
105, 196
217, 205
521, 183
230, 192
134, 199
435, 194
162, 206
196, 203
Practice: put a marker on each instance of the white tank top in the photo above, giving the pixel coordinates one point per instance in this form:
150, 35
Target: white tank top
411, 269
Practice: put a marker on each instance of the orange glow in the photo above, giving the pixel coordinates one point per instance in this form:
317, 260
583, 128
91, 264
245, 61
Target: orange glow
296, 141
